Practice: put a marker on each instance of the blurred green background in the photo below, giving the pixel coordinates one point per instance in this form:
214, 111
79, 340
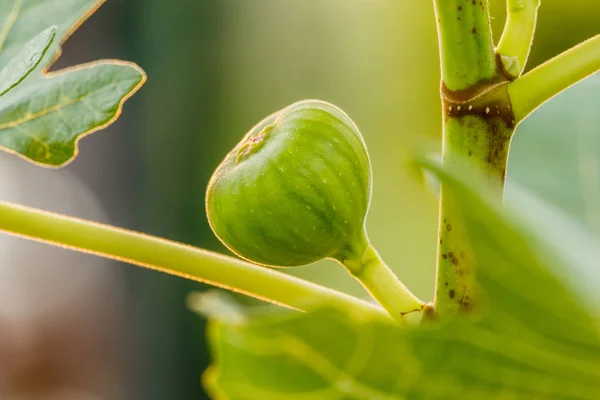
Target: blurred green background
215, 68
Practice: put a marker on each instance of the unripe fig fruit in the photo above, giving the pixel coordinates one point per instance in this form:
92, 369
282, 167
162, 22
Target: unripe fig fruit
295, 190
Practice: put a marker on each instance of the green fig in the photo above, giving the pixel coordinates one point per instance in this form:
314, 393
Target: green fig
295, 190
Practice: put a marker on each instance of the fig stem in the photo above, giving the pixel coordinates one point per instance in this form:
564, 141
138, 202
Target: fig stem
477, 125
547, 80
465, 40
381, 283
517, 37
175, 259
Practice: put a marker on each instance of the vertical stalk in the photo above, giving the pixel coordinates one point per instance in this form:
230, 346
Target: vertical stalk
465, 40
484, 141
478, 125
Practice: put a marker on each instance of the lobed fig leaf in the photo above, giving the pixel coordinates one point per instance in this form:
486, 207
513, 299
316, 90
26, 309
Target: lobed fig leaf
295, 190
44, 115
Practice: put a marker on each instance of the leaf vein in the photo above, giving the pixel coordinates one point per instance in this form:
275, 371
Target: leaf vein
57, 107
10, 21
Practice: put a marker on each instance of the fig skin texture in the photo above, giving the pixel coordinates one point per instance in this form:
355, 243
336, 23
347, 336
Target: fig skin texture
295, 190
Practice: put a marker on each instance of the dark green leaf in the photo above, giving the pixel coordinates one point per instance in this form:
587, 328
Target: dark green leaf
43, 117
44, 122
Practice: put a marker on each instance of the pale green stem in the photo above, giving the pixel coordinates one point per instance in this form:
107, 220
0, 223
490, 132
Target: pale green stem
381, 282
516, 39
175, 259
469, 69
544, 82
465, 40
483, 142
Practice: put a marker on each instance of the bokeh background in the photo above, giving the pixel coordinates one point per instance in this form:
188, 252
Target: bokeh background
77, 327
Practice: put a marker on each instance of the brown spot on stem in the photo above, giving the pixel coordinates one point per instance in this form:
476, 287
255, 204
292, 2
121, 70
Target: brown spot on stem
482, 107
491, 104
487, 99
451, 293
448, 227
465, 302
453, 258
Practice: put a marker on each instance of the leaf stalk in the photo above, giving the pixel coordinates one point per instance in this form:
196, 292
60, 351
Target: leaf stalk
552, 77
174, 258
515, 43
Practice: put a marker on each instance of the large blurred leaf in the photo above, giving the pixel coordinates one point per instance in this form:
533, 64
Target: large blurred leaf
555, 153
531, 339
45, 115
